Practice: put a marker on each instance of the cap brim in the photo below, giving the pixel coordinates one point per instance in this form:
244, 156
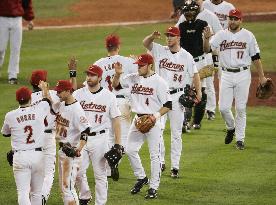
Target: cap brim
235, 16
173, 34
140, 63
89, 72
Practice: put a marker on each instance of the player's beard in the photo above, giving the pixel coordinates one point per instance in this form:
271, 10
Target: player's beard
92, 84
234, 27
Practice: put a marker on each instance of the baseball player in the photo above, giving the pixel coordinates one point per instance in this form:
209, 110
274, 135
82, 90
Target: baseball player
26, 127
112, 44
220, 8
11, 14
237, 49
149, 95
191, 31
177, 67
101, 113
72, 127
215, 26
49, 148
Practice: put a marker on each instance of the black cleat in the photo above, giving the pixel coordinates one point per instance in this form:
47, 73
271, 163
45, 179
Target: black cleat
174, 173
115, 173
13, 81
240, 145
139, 184
197, 126
152, 194
229, 136
210, 115
186, 128
163, 167
84, 201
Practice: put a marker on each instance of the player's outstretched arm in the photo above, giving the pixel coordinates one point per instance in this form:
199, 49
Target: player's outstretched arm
197, 84
72, 66
116, 124
148, 40
206, 37
118, 71
258, 65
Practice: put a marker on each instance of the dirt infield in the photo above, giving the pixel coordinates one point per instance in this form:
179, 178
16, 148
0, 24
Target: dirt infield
107, 11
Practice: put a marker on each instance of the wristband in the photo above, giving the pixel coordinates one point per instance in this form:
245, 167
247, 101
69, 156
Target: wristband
72, 73
157, 115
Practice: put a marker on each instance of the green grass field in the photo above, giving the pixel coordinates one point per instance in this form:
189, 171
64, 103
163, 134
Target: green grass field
211, 172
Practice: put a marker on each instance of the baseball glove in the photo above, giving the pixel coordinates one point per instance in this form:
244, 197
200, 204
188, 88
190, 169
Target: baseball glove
113, 157
10, 157
69, 150
265, 91
188, 98
145, 123
207, 71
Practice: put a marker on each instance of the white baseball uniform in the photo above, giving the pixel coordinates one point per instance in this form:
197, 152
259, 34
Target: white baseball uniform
99, 111
177, 69
235, 52
26, 127
122, 95
215, 25
49, 147
70, 122
221, 10
148, 95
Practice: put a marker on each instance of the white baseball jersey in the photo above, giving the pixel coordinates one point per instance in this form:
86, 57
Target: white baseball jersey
100, 107
207, 16
50, 119
240, 46
173, 67
70, 122
108, 71
26, 126
148, 94
221, 10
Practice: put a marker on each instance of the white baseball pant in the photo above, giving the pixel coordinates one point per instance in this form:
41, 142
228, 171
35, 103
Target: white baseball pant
135, 141
68, 168
96, 147
176, 116
11, 30
234, 86
28, 173
49, 152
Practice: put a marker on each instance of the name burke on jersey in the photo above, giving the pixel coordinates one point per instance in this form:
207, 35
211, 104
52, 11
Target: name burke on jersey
24, 118
92, 107
232, 45
140, 89
165, 63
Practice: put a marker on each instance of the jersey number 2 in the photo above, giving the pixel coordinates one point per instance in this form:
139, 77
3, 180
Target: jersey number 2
29, 130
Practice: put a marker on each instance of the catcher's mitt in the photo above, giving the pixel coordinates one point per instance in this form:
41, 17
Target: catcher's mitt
10, 157
188, 99
113, 157
145, 123
207, 71
69, 150
265, 91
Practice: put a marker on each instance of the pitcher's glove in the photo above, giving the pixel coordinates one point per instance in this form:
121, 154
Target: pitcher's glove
10, 157
69, 150
113, 157
145, 123
188, 98
265, 91
207, 71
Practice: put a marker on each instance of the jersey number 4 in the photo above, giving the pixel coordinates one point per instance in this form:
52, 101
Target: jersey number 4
29, 130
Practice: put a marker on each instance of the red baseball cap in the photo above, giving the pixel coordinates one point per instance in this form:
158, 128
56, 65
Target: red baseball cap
144, 59
38, 75
173, 31
63, 85
94, 70
112, 41
23, 94
236, 13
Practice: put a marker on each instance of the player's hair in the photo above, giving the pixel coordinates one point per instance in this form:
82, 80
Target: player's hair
23, 102
112, 48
